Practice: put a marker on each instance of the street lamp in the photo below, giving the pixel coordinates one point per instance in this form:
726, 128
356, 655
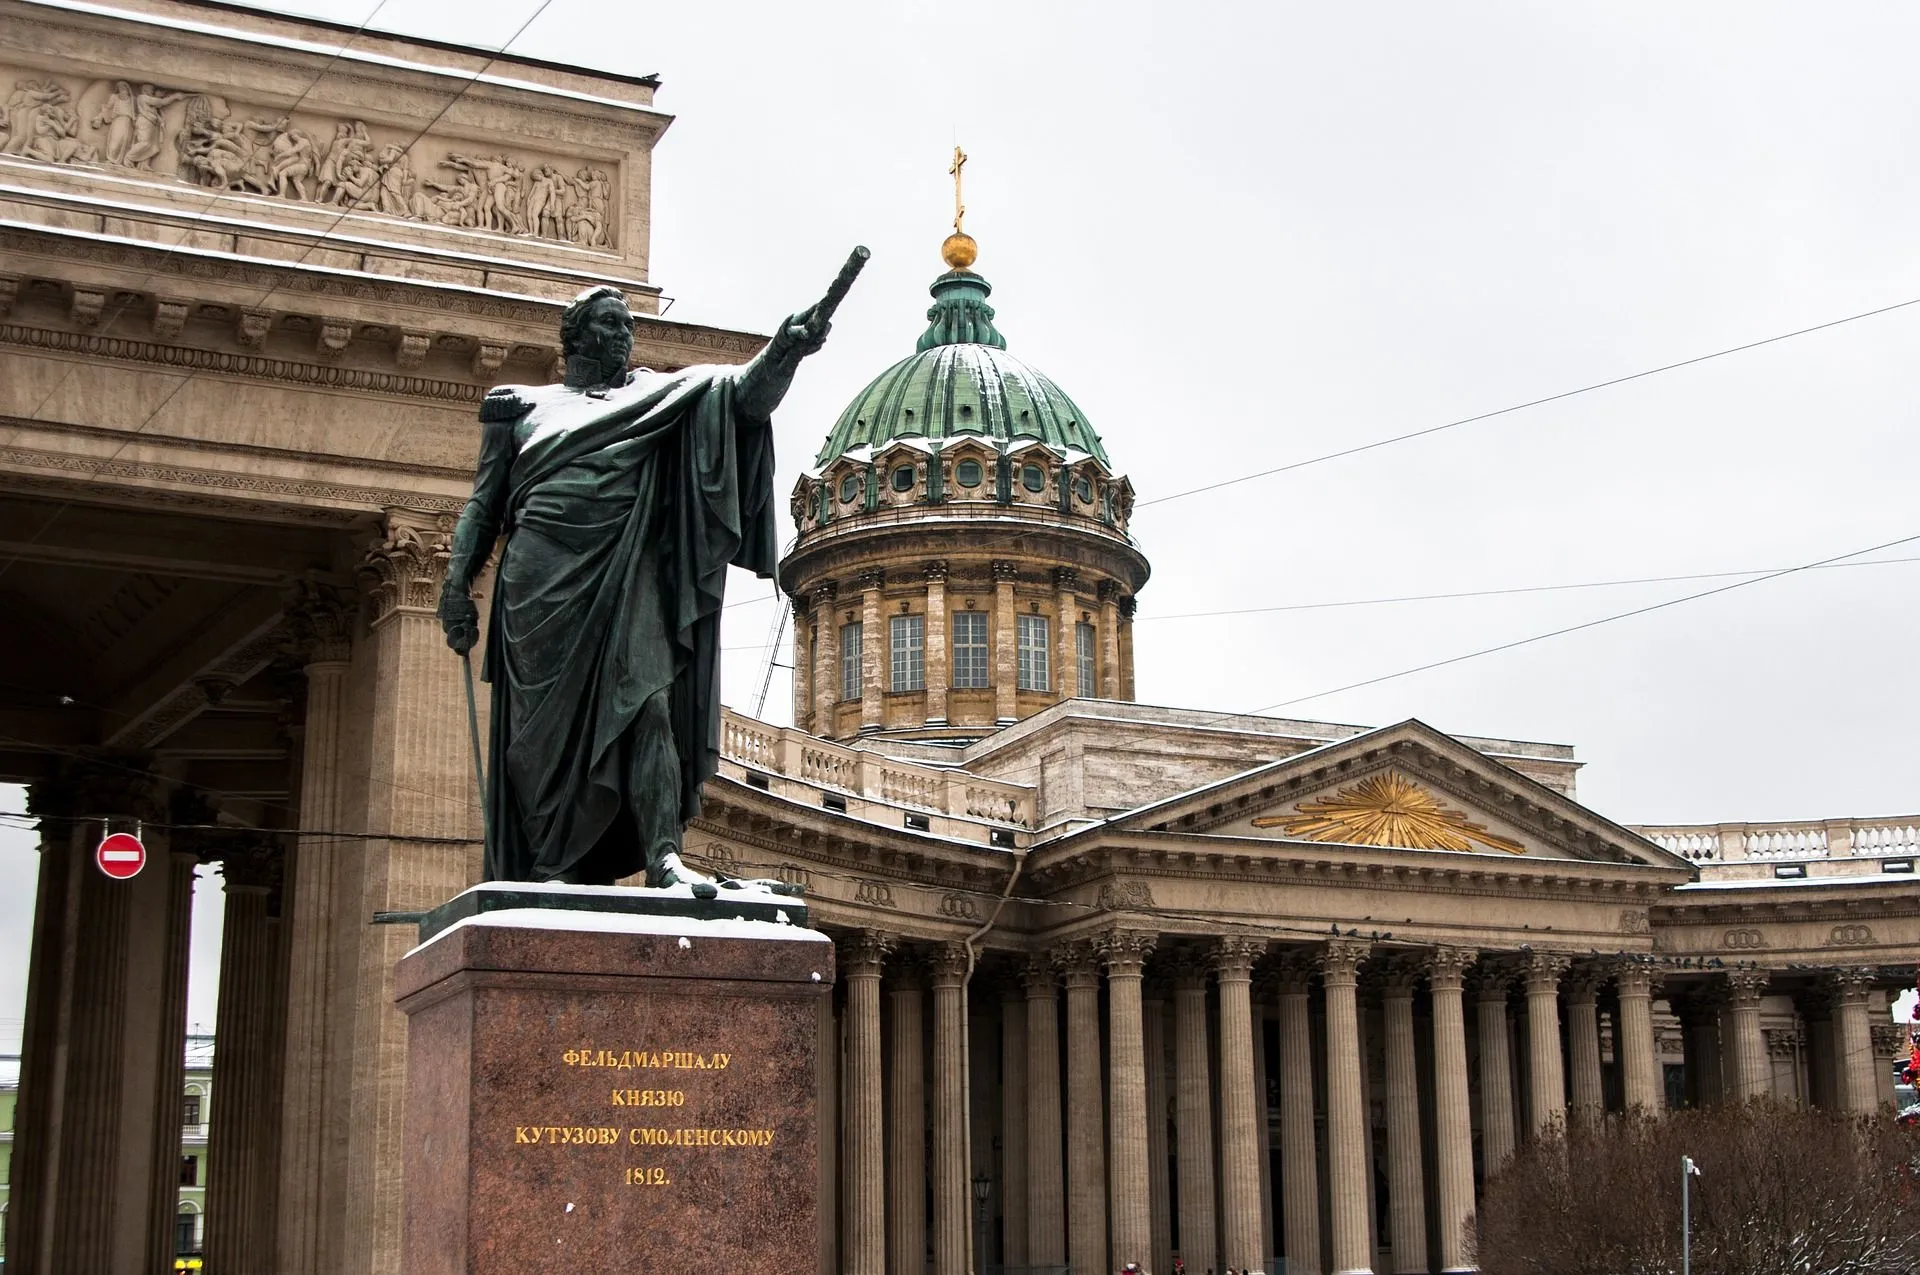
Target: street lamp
982, 1192
1688, 1170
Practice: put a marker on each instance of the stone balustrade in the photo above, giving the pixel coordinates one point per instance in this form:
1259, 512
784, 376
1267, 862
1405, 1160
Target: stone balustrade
962, 804
1894, 837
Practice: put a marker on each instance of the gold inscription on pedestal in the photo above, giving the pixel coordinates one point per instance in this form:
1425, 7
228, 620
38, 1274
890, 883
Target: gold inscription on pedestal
649, 1098
565, 1135
700, 1137
690, 1138
638, 1059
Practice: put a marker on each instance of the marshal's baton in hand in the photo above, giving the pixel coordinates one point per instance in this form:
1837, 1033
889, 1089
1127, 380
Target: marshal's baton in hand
842, 283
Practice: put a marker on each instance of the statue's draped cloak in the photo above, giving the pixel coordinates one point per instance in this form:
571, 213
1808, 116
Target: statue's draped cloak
608, 593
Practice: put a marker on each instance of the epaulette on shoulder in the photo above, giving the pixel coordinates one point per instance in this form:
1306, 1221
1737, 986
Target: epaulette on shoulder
503, 403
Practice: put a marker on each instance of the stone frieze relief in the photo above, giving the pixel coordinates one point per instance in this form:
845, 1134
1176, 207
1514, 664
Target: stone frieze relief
203, 140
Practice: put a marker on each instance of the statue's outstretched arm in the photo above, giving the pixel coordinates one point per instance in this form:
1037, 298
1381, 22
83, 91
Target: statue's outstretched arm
765, 380
480, 521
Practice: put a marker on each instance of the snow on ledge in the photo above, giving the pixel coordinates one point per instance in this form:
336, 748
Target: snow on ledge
687, 929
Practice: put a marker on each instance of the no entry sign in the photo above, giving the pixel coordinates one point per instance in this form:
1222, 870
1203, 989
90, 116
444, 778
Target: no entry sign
120, 855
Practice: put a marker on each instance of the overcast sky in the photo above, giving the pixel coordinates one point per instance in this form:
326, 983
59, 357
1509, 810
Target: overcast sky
1246, 235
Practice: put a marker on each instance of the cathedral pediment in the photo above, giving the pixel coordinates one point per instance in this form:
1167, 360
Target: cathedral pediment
1404, 787
1385, 809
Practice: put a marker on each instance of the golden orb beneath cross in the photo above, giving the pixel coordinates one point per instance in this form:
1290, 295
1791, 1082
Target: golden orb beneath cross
959, 250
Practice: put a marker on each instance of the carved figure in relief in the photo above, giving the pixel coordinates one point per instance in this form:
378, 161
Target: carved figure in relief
115, 117
457, 204
545, 206
149, 127
346, 171
56, 136
270, 155
281, 161
497, 177
30, 103
395, 194
587, 220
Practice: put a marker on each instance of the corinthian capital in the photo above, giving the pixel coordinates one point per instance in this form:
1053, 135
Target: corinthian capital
1233, 956
1124, 952
1447, 967
1543, 970
321, 616
1340, 961
405, 568
864, 952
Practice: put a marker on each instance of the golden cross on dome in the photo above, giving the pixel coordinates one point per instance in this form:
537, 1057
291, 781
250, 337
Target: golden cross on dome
959, 208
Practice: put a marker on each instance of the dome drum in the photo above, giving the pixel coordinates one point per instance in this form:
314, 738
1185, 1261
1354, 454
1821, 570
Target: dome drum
965, 473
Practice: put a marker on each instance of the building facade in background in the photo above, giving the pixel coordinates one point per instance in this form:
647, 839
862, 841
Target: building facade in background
1117, 982
190, 1208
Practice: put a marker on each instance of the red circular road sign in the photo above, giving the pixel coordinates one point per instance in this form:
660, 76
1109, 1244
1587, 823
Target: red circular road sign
120, 855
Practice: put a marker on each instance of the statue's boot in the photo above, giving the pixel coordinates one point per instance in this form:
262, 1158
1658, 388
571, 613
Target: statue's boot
669, 870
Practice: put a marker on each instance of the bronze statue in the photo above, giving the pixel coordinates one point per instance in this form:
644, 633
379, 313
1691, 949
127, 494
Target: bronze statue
623, 496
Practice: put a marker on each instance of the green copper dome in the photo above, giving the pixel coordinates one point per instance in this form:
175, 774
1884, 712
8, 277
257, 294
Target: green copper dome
961, 382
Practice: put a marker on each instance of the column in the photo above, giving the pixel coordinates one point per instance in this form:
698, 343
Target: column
1124, 952
1013, 1124
1855, 1085
1406, 1191
1233, 959
802, 664
1752, 1076
1125, 607
420, 782
97, 1150
316, 1080
1109, 595
906, 1118
1641, 1084
1159, 1184
1299, 1156
239, 1118
827, 1078
1006, 657
1452, 1117
952, 1191
1193, 1116
1496, 1066
1262, 1115
1086, 1136
1066, 613
874, 665
1046, 1209
826, 667
44, 1054
1546, 1076
863, 1239
1346, 1119
1583, 1045
939, 675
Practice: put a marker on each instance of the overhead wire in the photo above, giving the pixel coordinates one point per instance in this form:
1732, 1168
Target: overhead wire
1511, 409
1403, 437
1032, 769
354, 206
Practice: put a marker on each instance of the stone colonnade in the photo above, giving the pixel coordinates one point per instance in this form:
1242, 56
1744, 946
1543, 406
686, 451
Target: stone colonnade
1131, 1114
99, 1120
305, 1125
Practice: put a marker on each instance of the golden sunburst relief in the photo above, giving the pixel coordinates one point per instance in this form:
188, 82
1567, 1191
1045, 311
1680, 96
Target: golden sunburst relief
1387, 810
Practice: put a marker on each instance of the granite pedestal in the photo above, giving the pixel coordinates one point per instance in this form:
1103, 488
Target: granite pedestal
599, 1091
